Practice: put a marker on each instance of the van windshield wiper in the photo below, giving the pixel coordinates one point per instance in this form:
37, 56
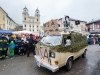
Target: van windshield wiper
47, 43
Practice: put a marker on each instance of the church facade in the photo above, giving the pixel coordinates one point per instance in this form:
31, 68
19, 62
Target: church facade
31, 23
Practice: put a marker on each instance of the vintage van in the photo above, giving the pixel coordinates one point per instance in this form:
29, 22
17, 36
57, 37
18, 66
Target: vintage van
52, 53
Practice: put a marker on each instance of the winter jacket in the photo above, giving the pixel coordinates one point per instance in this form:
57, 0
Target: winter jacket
3, 43
11, 45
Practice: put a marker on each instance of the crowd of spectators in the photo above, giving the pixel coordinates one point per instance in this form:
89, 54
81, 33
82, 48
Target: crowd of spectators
22, 44
92, 40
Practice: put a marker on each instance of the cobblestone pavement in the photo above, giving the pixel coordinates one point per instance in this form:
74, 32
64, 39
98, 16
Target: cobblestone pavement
22, 65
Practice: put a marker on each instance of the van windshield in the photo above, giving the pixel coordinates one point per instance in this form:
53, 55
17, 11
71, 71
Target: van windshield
51, 40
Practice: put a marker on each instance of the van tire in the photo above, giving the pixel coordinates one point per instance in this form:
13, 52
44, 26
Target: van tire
84, 54
69, 64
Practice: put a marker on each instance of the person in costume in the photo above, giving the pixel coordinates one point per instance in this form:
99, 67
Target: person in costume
11, 48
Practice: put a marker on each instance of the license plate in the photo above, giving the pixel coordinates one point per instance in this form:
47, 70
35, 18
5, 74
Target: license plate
38, 63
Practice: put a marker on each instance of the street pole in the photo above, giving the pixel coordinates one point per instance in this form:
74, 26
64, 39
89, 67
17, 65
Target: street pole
93, 24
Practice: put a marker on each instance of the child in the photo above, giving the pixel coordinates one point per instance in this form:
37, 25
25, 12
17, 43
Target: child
11, 48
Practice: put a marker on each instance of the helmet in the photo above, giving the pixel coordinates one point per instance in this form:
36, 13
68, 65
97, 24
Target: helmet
13, 36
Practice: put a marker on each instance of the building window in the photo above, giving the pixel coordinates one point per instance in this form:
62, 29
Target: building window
52, 23
25, 25
37, 26
71, 25
29, 20
54, 27
76, 26
3, 17
33, 30
30, 25
97, 26
48, 32
37, 29
91, 26
24, 18
37, 19
58, 25
11, 23
4, 26
44, 25
30, 29
7, 21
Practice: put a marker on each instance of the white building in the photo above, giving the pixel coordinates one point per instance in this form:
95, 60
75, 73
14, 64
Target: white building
31, 23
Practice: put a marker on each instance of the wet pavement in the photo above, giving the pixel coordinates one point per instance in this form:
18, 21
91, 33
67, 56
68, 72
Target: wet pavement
22, 65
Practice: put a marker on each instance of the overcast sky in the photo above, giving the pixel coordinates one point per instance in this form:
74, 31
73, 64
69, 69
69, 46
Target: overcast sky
85, 10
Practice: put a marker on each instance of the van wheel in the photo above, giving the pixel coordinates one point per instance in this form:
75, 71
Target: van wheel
84, 54
69, 64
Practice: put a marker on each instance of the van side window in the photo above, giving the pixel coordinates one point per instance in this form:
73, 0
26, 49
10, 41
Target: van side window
63, 41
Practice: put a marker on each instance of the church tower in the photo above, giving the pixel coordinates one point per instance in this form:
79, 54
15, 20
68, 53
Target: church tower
37, 15
25, 14
31, 23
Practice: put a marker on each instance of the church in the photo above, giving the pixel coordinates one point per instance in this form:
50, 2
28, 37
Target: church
31, 23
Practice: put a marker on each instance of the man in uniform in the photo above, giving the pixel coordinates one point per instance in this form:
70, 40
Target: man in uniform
3, 45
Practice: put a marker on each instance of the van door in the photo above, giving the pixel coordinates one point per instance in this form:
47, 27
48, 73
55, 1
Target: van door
43, 53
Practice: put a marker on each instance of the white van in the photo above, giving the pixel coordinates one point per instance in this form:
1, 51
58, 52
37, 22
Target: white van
52, 53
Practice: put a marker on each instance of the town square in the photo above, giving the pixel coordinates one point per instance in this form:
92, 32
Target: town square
49, 37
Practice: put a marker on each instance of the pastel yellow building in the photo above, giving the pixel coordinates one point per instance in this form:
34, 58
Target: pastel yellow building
31, 23
6, 23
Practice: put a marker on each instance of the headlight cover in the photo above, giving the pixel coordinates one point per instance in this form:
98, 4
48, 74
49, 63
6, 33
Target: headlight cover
52, 54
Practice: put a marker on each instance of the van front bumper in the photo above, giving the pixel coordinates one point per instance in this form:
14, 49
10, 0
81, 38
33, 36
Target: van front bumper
43, 64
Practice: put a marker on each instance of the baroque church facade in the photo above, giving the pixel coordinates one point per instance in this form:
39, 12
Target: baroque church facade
31, 23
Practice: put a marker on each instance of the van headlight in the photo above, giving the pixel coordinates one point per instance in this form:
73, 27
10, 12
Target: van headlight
52, 55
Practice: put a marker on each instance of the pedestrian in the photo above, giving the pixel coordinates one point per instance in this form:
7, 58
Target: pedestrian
23, 38
27, 43
99, 40
7, 48
31, 46
22, 47
17, 44
11, 48
3, 45
92, 40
